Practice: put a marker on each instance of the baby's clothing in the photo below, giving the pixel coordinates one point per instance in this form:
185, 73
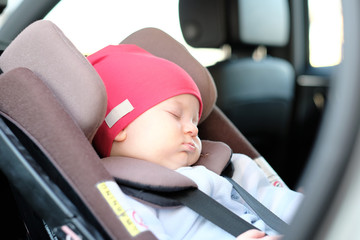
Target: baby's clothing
184, 223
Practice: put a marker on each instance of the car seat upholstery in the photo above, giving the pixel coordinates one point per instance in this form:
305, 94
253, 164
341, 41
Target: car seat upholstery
50, 93
255, 90
65, 63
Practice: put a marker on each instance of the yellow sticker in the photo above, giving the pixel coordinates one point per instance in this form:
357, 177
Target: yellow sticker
118, 209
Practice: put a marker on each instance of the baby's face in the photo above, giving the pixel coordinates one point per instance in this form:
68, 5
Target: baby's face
166, 134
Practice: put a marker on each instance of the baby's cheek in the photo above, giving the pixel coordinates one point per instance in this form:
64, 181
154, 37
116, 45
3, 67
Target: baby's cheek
198, 143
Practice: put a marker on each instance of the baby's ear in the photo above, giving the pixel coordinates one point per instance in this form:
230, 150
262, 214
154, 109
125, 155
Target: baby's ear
121, 136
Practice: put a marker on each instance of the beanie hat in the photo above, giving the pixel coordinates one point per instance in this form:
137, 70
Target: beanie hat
135, 81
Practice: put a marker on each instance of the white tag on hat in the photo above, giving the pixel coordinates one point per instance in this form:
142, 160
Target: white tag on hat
118, 112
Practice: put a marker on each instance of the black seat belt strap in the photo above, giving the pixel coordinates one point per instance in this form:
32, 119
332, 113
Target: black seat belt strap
211, 210
264, 213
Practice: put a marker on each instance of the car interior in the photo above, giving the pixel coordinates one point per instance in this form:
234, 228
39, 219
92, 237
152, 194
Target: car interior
257, 101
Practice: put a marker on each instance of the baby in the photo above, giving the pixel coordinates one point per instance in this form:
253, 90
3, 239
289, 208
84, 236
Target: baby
153, 111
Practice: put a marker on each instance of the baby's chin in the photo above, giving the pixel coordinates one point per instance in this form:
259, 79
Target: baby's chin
191, 160
186, 161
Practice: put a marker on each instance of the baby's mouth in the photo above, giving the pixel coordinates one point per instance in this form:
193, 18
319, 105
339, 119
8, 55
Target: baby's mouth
189, 146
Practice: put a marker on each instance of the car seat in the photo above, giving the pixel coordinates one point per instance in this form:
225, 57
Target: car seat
51, 103
255, 90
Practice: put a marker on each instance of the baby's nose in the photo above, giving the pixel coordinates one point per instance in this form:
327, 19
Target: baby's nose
191, 128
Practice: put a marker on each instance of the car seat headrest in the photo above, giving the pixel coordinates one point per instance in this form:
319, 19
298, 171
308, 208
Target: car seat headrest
46, 51
162, 45
264, 22
213, 23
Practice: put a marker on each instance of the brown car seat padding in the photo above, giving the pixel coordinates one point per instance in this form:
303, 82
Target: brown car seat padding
218, 127
30, 105
45, 50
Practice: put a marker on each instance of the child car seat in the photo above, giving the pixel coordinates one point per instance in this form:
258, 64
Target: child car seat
51, 103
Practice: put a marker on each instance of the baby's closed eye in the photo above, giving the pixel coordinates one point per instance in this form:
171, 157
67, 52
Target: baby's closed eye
176, 114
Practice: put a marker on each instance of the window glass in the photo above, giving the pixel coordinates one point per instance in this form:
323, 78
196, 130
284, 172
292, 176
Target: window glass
93, 24
10, 7
325, 32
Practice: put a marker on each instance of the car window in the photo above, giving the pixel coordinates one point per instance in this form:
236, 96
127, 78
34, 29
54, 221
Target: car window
92, 26
10, 7
325, 32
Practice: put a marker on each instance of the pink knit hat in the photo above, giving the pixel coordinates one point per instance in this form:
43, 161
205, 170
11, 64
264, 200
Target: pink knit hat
135, 81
